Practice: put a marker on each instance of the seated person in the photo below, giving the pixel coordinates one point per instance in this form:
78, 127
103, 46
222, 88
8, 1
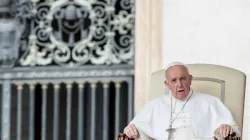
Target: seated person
183, 114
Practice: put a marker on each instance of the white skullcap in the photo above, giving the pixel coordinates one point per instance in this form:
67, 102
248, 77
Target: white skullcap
174, 64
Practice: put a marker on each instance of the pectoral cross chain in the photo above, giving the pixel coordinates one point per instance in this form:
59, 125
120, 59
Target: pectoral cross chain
170, 130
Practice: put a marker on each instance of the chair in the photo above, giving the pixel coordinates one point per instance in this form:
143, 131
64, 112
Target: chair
223, 82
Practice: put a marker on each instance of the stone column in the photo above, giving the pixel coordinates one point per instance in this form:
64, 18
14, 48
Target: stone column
148, 46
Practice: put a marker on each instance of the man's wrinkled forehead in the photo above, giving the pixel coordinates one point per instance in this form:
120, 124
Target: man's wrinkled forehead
176, 64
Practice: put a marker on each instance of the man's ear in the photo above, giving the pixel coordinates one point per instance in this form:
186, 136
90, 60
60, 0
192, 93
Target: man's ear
190, 78
166, 83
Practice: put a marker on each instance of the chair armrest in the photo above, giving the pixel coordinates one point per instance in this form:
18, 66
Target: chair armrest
122, 136
230, 137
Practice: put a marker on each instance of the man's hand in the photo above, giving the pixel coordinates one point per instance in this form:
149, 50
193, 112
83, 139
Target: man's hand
131, 131
225, 130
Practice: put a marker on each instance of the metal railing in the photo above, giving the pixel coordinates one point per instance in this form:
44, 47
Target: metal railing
73, 108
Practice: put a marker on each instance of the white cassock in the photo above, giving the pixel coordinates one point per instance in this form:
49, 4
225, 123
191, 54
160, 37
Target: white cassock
198, 120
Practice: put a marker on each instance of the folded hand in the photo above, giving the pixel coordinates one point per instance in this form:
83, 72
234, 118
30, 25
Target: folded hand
225, 130
131, 131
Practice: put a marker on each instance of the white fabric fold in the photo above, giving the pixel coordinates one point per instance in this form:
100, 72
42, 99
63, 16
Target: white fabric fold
207, 114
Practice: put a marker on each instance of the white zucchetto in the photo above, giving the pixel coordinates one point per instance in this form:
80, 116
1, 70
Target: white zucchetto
175, 64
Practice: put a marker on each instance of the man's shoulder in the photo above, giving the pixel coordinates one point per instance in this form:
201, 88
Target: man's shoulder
205, 97
154, 102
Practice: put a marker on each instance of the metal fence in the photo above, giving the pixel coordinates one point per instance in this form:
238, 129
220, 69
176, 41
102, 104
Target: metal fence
66, 68
78, 108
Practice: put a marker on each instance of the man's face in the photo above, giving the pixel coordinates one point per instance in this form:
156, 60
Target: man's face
178, 81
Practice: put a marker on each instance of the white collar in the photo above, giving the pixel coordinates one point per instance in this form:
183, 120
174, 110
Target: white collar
176, 100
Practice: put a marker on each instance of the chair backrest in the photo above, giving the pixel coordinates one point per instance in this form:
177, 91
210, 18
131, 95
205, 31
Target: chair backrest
223, 82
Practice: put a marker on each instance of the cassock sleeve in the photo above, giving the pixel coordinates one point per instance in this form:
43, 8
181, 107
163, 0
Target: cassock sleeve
143, 136
222, 115
142, 121
236, 130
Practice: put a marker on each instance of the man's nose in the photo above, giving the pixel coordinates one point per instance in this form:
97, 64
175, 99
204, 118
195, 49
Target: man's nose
179, 83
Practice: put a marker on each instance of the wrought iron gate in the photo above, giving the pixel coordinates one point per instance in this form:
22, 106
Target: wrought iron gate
43, 106
67, 68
